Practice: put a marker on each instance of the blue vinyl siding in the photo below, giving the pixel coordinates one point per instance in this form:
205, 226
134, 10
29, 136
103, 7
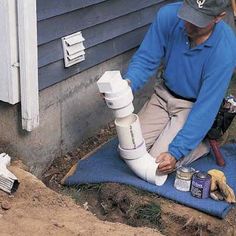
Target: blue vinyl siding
51, 8
109, 27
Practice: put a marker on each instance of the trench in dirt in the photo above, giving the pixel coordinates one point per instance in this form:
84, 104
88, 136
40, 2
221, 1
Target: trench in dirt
125, 204
128, 205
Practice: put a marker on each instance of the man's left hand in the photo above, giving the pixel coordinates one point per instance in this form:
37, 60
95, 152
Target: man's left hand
166, 163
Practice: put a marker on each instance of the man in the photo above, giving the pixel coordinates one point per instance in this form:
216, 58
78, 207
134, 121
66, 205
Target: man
198, 52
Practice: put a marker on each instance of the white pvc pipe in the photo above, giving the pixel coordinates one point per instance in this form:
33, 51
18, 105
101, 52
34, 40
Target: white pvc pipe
146, 168
143, 164
132, 154
124, 111
129, 132
118, 94
132, 148
122, 100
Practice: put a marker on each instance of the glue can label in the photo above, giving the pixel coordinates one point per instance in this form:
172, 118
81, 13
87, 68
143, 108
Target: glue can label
182, 184
200, 186
183, 178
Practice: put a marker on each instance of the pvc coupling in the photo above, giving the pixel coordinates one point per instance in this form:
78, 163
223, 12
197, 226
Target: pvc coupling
132, 147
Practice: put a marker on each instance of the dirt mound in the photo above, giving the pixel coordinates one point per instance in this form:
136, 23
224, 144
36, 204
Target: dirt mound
36, 210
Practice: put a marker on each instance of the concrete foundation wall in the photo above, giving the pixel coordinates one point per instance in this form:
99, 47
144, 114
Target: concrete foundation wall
70, 112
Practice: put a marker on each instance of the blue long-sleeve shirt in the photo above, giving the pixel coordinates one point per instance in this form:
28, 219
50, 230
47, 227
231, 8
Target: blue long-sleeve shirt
202, 72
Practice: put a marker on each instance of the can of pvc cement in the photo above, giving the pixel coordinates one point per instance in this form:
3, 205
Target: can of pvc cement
201, 183
183, 178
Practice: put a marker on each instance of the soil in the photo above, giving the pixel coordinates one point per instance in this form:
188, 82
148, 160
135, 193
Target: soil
36, 210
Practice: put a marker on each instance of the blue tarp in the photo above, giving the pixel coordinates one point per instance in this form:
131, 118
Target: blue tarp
105, 165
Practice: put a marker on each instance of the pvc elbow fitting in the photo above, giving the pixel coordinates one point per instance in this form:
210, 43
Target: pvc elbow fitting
118, 94
143, 164
132, 148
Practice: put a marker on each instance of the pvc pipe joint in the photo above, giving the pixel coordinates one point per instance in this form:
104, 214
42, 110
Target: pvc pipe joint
132, 147
124, 111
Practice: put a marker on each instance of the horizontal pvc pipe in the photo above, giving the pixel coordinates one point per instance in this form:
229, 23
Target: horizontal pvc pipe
153, 173
129, 132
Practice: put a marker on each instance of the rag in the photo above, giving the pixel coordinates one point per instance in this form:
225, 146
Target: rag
220, 190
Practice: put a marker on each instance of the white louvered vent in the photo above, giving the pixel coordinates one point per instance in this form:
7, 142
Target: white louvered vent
73, 48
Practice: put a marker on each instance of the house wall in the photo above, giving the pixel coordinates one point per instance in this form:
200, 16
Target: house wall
69, 99
110, 28
68, 115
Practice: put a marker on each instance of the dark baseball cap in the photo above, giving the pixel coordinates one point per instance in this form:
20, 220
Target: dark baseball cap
202, 12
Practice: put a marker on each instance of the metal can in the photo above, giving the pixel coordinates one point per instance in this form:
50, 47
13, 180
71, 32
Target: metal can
201, 183
183, 178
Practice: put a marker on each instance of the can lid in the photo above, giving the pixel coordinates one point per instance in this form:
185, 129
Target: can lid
185, 169
202, 175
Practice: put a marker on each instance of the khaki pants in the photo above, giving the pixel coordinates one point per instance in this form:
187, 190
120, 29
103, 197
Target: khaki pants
161, 118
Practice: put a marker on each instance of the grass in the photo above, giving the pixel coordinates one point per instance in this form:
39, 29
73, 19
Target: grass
90, 187
150, 212
74, 191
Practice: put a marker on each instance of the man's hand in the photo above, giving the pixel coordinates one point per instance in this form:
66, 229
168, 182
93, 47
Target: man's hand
166, 163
